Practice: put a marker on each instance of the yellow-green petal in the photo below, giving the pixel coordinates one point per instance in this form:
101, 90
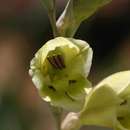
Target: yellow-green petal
119, 82
100, 107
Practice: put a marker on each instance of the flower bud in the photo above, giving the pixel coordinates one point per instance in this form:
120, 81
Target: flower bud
60, 69
75, 13
85, 8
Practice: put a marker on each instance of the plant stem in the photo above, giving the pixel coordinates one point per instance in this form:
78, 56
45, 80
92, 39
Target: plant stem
57, 113
52, 18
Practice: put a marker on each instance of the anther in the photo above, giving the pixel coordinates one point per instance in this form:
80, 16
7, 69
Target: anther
56, 61
61, 60
50, 59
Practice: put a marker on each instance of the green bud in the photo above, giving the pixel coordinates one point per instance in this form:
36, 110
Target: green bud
59, 70
76, 12
85, 8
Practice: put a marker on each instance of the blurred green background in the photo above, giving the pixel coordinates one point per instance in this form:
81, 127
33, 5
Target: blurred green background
24, 28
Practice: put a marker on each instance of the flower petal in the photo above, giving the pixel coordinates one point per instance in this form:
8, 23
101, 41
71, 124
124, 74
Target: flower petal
100, 107
119, 82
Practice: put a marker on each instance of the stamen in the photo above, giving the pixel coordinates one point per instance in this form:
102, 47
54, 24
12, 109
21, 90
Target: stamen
56, 61
61, 60
50, 59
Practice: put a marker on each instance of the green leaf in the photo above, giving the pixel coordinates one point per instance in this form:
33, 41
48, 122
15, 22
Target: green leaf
76, 12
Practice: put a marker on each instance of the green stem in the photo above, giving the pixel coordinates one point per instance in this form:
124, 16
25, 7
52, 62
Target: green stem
52, 18
50, 6
57, 113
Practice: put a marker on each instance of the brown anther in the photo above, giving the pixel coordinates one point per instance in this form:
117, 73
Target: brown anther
61, 60
56, 61
50, 59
